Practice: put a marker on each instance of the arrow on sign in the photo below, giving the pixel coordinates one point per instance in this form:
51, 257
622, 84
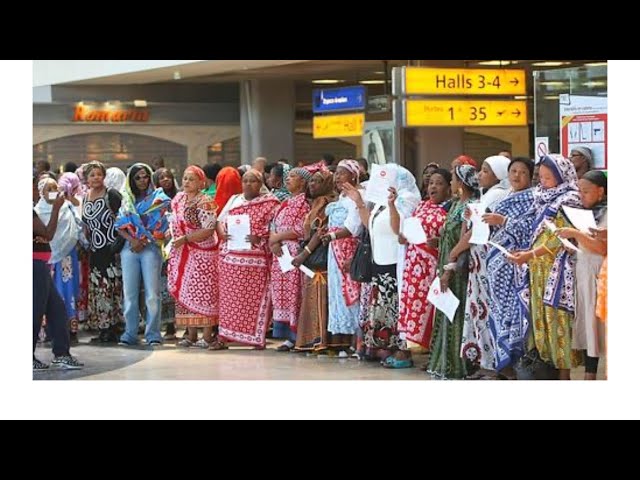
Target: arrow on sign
514, 82
501, 113
516, 113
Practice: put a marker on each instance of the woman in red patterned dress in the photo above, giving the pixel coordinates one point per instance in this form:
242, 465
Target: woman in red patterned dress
288, 231
421, 262
193, 266
244, 274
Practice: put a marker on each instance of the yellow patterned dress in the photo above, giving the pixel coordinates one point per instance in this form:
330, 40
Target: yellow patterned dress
551, 326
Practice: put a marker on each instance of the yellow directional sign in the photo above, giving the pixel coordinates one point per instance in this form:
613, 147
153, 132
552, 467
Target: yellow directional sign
334, 126
464, 113
463, 81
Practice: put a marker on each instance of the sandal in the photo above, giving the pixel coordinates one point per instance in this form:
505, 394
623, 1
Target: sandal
218, 345
185, 342
393, 362
202, 343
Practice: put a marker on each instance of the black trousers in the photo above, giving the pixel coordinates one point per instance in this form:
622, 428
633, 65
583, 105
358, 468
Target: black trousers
47, 301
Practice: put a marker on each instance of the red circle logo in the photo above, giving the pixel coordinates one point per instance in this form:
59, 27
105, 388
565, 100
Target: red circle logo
383, 173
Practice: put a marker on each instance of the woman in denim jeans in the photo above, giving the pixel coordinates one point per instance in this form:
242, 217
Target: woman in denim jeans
143, 224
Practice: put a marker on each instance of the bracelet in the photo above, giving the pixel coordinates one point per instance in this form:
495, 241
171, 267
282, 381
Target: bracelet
306, 249
333, 236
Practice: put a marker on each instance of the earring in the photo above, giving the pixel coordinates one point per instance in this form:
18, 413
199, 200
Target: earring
460, 192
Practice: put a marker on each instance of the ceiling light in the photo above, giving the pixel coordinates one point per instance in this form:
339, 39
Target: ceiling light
593, 83
326, 81
139, 103
372, 82
521, 97
176, 75
497, 63
549, 64
379, 73
550, 83
551, 97
596, 64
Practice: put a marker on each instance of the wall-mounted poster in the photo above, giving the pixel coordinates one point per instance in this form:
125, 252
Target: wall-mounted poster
377, 143
583, 122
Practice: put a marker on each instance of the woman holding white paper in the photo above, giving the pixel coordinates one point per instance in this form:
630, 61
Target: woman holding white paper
550, 285
445, 360
420, 264
588, 332
287, 232
380, 328
507, 319
477, 341
244, 274
193, 264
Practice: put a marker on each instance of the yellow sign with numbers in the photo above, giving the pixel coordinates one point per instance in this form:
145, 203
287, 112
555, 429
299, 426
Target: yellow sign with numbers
464, 113
335, 126
463, 81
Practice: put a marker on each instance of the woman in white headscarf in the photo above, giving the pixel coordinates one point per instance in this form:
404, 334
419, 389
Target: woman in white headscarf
478, 344
115, 179
64, 254
380, 329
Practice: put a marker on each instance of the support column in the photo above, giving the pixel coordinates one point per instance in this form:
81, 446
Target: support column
267, 120
438, 144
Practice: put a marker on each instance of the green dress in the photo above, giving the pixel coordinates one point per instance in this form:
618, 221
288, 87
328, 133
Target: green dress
551, 326
445, 360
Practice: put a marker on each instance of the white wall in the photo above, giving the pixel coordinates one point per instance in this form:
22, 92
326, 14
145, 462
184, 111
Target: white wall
51, 72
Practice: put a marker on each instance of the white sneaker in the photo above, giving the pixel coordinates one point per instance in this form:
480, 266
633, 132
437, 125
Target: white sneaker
343, 354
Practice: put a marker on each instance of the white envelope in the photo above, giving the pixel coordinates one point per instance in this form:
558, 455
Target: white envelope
480, 231
285, 260
307, 271
581, 219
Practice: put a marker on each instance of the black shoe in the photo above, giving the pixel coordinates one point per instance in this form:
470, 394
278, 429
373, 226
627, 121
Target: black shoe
38, 366
66, 362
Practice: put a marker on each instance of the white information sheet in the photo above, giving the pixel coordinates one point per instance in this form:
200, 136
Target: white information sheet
382, 177
285, 260
581, 219
552, 227
446, 302
238, 227
413, 231
480, 230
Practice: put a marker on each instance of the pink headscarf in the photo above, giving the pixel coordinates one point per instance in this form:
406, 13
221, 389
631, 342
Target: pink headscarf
70, 183
350, 165
197, 171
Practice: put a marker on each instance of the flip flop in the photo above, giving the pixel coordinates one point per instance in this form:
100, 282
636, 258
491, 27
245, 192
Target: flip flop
392, 362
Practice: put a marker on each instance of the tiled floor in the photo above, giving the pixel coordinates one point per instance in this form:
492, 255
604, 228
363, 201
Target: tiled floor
238, 363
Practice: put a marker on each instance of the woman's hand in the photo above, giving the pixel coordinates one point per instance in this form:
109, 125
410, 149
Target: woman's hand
137, 245
393, 195
326, 239
276, 249
73, 200
467, 213
253, 240
180, 241
433, 242
444, 281
520, 258
494, 219
274, 238
567, 232
402, 240
298, 260
599, 233
353, 193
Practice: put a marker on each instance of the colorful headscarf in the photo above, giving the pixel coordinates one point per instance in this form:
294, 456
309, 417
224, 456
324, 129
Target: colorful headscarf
115, 178
326, 194
467, 160
468, 175
228, 184
197, 171
145, 218
302, 172
351, 165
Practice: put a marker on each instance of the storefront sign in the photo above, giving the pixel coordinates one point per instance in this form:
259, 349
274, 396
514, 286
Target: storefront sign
336, 126
463, 81
84, 113
464, 113
583, 123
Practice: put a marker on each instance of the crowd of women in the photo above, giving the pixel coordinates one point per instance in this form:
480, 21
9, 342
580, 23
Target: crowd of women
135, 244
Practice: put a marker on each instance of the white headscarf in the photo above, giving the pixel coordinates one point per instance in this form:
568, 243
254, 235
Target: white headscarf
500, 168
115, 178
408, 192
68, 231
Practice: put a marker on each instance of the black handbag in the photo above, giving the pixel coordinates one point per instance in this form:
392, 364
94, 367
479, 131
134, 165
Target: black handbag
117, 245
318, 259
362, 264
